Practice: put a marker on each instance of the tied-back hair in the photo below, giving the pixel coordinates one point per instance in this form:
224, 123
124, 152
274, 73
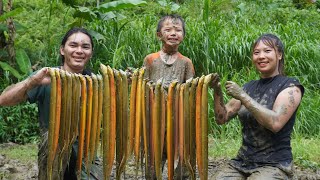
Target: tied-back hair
173, 17
70, 33
274, 42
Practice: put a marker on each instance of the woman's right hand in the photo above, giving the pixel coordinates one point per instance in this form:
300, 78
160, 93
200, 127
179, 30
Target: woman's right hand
234, 90
41, 77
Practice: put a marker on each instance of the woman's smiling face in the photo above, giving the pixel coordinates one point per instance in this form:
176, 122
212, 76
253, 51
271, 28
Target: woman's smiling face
266, 59
77, 51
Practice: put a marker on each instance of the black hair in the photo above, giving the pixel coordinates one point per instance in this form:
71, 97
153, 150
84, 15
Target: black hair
274, 42
70, 33
173, 17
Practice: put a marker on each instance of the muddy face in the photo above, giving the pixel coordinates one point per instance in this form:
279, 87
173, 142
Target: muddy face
171, 33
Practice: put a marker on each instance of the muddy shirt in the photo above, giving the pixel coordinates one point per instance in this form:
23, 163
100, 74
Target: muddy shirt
180, 70
41, 96
260, 146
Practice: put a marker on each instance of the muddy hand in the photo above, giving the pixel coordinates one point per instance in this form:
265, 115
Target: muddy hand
41, 77
233, 89
129, 72
215, 81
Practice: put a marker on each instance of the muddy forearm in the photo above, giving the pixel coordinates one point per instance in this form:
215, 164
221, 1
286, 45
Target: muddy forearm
262, 114
219, 107
16, 93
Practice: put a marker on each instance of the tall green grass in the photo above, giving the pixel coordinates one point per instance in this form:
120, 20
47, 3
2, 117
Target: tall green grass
221, 44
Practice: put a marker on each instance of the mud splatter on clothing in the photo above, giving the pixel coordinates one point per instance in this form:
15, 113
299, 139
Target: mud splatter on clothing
180, 70
260, 146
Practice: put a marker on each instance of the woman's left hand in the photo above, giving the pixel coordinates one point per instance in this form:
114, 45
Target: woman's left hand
234, 90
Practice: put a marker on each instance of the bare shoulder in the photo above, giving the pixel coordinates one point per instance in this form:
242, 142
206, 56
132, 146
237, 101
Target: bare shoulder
292, 90
292, 93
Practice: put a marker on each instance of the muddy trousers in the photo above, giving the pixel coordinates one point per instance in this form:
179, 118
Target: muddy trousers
68, 169
261, 173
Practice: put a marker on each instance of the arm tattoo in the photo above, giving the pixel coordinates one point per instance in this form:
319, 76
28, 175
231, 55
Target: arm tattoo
291, 98
284, 109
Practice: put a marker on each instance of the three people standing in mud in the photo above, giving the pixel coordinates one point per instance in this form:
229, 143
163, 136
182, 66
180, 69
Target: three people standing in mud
266, 107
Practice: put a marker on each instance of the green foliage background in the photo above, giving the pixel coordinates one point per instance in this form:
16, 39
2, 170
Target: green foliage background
219, 35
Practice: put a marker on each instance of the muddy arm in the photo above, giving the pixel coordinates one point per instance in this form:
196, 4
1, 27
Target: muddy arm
273, 119
17, 93
223, 113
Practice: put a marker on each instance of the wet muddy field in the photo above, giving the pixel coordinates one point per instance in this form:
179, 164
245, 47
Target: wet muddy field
16, 169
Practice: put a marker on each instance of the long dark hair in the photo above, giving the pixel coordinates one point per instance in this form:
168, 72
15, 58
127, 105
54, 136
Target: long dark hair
173, 17
274, 42
70, 33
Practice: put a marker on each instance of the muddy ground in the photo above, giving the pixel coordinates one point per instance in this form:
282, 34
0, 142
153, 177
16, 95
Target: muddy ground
16, 169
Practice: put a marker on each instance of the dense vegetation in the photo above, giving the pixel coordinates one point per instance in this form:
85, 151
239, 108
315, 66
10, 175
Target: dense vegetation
219, 35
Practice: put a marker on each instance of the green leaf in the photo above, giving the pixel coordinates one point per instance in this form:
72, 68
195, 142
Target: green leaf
242, 7
118, 56
163, 3
85, 13
3, 53
12, 13
3, 27
96, 35
7, 67
121, 4
206, 11
107, 16
19, 27
69, 3
174, 6
23, 61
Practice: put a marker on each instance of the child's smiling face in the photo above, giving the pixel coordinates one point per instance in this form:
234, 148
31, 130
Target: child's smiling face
171, 33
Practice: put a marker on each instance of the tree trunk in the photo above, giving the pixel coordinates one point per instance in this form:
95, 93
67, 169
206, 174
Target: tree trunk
2, 37
11, 35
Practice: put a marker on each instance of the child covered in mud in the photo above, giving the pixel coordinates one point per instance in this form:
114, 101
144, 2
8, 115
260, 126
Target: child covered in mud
168, 65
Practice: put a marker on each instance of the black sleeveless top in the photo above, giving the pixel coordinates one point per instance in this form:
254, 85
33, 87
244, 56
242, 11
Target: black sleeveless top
260, 146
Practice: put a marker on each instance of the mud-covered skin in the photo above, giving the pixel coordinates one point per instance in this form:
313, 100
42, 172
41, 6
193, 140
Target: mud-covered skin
260, 99
266, 108
17, 93
171, 34
275, 117
181, 70
223, 113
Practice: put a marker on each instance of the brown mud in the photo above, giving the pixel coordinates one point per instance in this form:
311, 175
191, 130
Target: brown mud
17, 169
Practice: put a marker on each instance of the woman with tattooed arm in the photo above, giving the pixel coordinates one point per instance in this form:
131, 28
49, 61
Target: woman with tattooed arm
267, 110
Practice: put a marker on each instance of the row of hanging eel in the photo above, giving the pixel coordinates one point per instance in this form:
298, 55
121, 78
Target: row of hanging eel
128, 117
